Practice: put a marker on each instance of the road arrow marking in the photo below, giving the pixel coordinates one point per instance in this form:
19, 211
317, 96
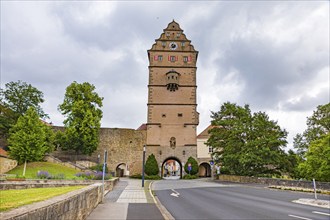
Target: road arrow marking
175, 193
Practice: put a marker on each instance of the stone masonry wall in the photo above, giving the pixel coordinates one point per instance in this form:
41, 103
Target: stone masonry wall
73, 205
27, 184
276, 182
7, 164
124, 146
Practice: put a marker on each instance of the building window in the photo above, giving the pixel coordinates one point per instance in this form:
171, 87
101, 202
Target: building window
164, 115
160, 57
180, 114
172, 59
185, 59
178, 34
163, 43
210, 149
167, 34
182, 44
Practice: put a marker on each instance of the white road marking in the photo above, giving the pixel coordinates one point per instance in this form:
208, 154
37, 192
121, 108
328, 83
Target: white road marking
295, 216
321, 213
175, 193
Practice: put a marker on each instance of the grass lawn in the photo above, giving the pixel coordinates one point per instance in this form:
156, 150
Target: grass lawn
52, 168
14, 198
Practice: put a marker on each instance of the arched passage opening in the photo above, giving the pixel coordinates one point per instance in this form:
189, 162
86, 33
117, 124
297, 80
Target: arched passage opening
204, 170
121, 170
171, 168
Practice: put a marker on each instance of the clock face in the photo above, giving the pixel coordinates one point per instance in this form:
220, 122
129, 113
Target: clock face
173, 46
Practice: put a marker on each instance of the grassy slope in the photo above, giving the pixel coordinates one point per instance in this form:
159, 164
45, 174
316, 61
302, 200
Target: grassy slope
18, 197
52, 168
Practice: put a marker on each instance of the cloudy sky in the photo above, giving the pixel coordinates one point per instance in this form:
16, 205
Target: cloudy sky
273, 56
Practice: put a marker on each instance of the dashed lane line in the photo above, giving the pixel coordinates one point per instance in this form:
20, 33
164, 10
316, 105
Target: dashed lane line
321, 213
295, 216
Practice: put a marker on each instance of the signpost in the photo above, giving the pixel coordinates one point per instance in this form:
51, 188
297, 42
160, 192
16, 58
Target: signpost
103, 171
189, 167
212, 175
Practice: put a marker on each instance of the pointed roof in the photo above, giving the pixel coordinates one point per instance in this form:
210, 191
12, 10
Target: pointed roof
205, 133
173, 26
173, 33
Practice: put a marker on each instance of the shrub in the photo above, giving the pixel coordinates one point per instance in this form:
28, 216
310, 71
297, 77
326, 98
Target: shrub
93, 176
151, 167
99, 167
189, 177
194, 166
146, 177
153, 177
136, 176
43, 175
59, 176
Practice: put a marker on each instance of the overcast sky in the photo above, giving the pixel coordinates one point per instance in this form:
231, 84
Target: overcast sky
273, 56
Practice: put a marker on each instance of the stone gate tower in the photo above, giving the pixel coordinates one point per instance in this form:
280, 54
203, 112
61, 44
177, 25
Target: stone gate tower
172, 115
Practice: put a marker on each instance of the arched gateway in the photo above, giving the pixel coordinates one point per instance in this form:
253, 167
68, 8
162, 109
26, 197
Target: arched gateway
204, 170
171, 168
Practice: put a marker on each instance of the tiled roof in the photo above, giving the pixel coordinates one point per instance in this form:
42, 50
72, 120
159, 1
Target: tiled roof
142, 127
3, 153
205, 133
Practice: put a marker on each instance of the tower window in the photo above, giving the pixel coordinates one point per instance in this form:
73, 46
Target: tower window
180, 114
172, 58
160, 57
178, 34
182, 44
163, 115
210, 149
185, 59
163, 43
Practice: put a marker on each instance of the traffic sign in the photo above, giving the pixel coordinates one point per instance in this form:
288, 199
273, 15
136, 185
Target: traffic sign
212, 162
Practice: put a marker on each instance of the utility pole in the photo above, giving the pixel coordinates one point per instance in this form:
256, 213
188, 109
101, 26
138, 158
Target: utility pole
143, 163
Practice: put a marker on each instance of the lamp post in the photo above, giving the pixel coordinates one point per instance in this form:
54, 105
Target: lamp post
143, 165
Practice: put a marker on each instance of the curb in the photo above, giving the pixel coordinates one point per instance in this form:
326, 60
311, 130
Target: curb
165, 213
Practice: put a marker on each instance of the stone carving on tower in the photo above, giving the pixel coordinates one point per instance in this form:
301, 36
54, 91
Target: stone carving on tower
172, 113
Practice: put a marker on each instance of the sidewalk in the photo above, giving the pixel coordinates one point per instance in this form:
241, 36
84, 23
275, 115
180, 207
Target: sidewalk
128, 200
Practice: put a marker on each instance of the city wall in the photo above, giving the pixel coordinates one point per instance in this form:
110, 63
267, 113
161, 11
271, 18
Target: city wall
124, 147
275, 182
73, 205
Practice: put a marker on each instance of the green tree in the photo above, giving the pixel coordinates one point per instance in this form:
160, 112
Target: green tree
246, 143
15, 100
194, 166
317, 125
81, 107
151, 165
317, 163
30, 138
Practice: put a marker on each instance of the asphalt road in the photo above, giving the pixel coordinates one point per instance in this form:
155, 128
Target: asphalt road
198, 200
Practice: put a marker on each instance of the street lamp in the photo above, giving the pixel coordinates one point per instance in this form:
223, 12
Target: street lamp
143, 165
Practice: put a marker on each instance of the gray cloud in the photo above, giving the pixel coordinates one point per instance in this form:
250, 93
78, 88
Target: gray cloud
271, 55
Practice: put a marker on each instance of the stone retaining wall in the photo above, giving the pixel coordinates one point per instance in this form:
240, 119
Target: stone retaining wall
275, 182
7, 164
73, 205
5, 185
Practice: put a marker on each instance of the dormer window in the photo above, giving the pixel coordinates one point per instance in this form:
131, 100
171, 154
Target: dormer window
172, 83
